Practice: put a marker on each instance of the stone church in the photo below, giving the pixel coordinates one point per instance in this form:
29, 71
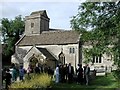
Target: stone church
43, 45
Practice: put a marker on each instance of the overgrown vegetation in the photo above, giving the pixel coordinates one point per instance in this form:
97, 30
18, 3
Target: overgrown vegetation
35, 81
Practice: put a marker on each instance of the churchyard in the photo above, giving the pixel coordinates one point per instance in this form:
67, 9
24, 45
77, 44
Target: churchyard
100, 82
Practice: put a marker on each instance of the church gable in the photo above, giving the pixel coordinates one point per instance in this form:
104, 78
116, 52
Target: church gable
33, 52
39, 53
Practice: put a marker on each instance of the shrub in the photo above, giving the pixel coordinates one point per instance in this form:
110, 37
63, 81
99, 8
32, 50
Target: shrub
44, 80
116, 74
36, 81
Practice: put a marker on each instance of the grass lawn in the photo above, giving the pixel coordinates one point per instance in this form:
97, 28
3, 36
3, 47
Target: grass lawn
100, 83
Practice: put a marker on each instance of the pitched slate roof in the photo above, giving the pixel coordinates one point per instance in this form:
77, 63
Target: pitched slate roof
51, 38
45, 52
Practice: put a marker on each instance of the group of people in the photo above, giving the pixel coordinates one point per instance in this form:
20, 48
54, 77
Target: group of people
15, 73
65, 73
62, 73
11, 74
40, 69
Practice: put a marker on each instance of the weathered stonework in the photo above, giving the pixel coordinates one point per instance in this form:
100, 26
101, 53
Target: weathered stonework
36, 23
55, 50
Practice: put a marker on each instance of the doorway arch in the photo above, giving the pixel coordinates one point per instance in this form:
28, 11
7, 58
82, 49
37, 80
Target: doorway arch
32, 62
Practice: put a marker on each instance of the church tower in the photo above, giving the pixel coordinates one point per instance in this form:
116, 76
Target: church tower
36, 23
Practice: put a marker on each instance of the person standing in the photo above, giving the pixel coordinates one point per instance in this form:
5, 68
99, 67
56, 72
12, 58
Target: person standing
80, 74
65, 72
62, 73
14, 74
70, 73
45, 68
57, 74
21, 73
87, 72
8, 77
3, 74
29, 71
37, 69
50, 71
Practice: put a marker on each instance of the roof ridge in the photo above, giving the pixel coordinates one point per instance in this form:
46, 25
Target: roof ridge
59, 31
36, 12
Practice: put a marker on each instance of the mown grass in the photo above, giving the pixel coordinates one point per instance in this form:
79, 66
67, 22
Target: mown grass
100, 83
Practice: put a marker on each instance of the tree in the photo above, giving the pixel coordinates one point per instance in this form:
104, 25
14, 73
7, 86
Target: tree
11, 31
104, 21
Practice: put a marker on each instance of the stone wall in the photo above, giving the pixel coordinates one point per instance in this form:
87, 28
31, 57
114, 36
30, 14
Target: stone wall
106, 61
32, 30
55, 50
35, 24
72, 58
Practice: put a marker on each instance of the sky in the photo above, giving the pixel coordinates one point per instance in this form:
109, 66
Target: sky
59, 12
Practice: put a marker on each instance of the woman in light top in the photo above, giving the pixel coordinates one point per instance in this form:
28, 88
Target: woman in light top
57, 74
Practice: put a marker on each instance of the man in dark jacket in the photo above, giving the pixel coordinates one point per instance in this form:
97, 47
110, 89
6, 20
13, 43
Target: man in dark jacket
37, 69
70, 73
80, 74
8, 77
